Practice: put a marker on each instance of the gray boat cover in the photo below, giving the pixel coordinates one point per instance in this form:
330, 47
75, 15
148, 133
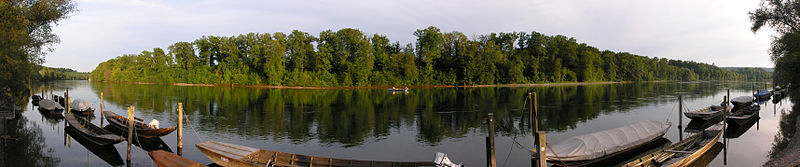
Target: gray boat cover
79, 105
742, 100
48, 104
598, 144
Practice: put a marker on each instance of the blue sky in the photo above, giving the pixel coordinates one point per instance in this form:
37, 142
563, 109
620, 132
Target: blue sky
704, 31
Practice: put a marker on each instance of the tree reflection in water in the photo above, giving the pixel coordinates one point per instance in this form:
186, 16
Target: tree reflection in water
24, 144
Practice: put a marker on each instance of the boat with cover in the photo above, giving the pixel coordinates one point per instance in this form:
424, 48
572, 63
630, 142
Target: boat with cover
142, 130
81, 107
50, 105
687, 152
92, 132
741, 116
594, 147
167, 159
226, 154
741, 102
107, 153
762, 94
707, 112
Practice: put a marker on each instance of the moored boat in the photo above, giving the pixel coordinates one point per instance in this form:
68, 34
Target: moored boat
107, 153
142, 130
594, 147
741, 116
81, 107
226, 154
687, 152
50, 105
762, 94
92, 132
167, 159
741, 102
707, 112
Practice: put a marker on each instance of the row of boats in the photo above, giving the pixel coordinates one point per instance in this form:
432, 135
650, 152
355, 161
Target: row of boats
610, 147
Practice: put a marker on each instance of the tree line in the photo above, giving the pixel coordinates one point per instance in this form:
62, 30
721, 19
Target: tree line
783, 16
350, 57
52, 73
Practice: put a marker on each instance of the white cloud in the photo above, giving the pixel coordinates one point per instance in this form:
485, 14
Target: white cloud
704, 31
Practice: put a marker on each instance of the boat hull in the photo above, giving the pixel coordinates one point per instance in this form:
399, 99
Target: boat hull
93, 133
142, 131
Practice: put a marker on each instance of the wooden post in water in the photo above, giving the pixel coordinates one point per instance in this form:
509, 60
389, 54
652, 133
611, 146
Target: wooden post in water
724, 126
130, 133
490, 161
102, 108
680, 118
541, 150
180, 128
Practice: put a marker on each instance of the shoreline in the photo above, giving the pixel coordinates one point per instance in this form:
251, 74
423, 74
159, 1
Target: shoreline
387, 86
789, 156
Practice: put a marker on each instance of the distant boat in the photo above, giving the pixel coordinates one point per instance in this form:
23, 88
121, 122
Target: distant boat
142, 130
762, 94
707, 112
81, 107
688, 152
393, 89
167, 159
594, 147
226, 154
50, 105
94, 133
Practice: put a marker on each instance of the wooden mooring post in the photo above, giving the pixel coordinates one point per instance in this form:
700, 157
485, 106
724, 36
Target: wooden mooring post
130, 133
490, 161
539, 159
102, 108
180, 128
680, 118
724, 126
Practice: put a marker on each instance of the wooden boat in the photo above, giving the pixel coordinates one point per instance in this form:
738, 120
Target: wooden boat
393, 89
595, 147
226, 154
707, 112
50, 105
167, 159
92, 132
81, 107
698, 125
142, 130
688, 152
740, 102
107, 153
736, 130
741, 116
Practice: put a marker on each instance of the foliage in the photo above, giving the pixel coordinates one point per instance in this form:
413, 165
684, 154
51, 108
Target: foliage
350, 57
783, 16
25, 36
51, 73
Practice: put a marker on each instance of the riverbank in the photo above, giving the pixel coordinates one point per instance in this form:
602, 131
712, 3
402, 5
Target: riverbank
790, 156
381, 87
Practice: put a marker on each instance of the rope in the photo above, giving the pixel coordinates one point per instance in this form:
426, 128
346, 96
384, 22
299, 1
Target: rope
190, 125
509, 153
554, 153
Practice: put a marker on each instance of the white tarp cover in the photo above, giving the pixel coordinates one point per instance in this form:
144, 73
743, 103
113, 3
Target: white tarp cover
48, 104
599, 144
79, 105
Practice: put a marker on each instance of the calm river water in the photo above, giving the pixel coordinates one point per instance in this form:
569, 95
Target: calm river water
374, 124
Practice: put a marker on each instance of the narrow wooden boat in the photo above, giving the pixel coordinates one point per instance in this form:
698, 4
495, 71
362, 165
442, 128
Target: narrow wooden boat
92, 132
707, 112
107, 153
142, 130
167, 159
736, 130
741, 116
225, 154
595, 147
688, 152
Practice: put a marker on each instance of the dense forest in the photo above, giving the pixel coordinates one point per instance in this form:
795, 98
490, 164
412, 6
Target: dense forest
350, 57
51, 73
752, 73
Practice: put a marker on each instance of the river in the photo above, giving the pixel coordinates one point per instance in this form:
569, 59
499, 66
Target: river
375, 124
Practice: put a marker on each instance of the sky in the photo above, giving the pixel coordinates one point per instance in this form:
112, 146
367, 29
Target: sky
708, 31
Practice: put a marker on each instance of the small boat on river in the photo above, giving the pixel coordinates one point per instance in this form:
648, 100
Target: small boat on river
167, 159
81, 107
741, 102
688, 152
50, 105
393, 89
595, 147
741, 116
707, 112
226, 154
92, 132
762, 94
107, 153
142, 130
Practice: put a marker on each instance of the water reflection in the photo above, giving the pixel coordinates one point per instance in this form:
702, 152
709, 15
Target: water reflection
787, 125
107, 153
